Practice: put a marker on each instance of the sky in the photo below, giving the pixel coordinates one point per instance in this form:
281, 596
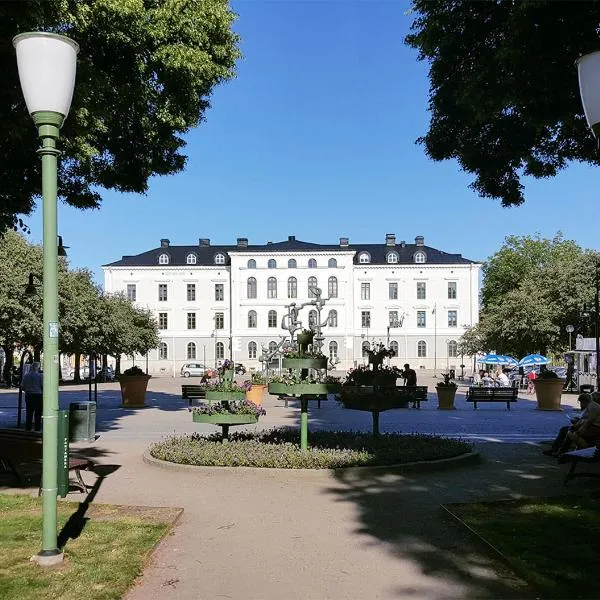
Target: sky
316, 137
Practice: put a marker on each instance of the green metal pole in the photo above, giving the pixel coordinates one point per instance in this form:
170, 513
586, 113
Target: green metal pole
303, 423
48, 124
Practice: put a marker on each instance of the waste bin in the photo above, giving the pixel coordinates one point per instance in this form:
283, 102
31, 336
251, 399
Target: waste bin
82, 421
586, 388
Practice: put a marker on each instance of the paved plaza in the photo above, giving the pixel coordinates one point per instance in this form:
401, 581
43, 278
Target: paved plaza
346, 534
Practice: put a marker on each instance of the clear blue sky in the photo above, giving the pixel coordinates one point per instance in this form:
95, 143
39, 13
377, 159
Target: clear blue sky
316, 138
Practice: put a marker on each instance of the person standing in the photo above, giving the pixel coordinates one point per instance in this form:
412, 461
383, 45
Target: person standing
33, 388
410, 378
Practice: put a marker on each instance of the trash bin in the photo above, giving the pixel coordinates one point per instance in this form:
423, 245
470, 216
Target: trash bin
452, 373
586, 388
82, 421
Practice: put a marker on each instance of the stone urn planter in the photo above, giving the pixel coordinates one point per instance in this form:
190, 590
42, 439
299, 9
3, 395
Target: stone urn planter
255, 393
446, 396
133, 390
548, 393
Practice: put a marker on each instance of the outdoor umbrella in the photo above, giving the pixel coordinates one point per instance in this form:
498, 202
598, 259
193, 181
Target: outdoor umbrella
509, 360
492, 359
533, 359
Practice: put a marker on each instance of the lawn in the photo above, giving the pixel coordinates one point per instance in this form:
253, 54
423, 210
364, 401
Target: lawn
101, 563
554, 543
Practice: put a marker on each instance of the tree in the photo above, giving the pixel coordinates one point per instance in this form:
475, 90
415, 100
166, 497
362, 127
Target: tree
145, 75
504, 99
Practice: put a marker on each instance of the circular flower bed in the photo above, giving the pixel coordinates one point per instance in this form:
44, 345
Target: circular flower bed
277, 448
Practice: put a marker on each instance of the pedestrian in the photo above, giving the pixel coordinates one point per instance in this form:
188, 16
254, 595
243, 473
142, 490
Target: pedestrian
410, 378
33, 388
531, 377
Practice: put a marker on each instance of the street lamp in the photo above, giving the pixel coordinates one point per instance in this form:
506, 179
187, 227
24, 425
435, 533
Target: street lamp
47, 63
586, 313
570, 329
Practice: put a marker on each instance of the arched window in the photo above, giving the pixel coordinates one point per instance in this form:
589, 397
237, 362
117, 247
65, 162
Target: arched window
271, 287
252, 321
292, 263
332, 287
394, 348
332, 263
251, 287
251, 349
220, 350
420, 257
292, 287
365, 348
312, 263
364, 258
332, 319
272, 318
272, 346
312, 286
452, 349
333, 350
422, 349
251, 264
163, 351
163, 259
191, 351
392, 257
312, 319
191, 259
219, 259
272, 264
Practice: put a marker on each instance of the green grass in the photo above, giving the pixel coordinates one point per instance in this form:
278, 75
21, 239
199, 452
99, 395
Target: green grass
554, 543
100, 564
279, 448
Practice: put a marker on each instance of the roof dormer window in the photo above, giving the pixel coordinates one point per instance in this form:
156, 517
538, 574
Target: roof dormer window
191, 259
420, 257
163, 259
392, 257
364, 258
219, 259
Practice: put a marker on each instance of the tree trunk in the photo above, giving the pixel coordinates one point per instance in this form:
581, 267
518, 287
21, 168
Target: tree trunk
8, 365
76, 377
118, 364
37, 354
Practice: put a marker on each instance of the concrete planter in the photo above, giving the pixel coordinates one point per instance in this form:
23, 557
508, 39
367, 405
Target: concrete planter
446, 396
255, 393
548, 393
133, 390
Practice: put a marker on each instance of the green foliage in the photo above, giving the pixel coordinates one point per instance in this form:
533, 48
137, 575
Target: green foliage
231, 407
224, 386
258, 378
447, 382
504, 98
145, 75
134, 371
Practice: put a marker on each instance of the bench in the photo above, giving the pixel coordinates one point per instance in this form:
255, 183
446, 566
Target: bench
17, 446
575, 457
415, 393
193, 392
491, 394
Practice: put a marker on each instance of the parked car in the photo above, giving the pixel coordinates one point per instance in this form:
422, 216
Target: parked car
192, 369
240, 369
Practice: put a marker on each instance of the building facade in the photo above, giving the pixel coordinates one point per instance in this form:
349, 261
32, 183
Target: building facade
217, 302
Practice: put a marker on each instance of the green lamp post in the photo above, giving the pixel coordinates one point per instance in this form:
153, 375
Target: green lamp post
47, 64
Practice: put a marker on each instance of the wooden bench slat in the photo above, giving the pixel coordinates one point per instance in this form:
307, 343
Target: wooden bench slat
490, 394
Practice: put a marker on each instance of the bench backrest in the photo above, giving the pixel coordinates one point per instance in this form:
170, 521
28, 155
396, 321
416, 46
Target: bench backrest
490, 393
19, 444
416, 391
193, 391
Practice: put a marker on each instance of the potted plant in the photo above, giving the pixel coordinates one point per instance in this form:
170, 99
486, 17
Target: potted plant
295, 385
446, 391
221, 391
548, 390
304, 359
133, 382
258, 383
228, 413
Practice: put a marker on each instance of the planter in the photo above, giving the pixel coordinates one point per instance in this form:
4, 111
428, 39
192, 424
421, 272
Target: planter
227, 375
309, 389
446, 396
216, 396
133, 390
224, 419
304, 363
548, 393
255, 393
373, 397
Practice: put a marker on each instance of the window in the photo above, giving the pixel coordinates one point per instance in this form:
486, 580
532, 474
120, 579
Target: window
292, 263
393, 318
421, 318
252, 321
219, 350
333, 350
332, 320
394, 347
272, 287
131, 292
365, 348
251, 287
312, 263
365, 291
392, 257
452, 318
312, 286
332, 287
219, 259
191, 351
251, 264
452, 290
365, 318
272, 319
219, 292
251, 349
163, 259
162, 320
292, 287
272, 264
272, 346
219, 320
191, 292
420, 257
452, 349
422, 349
312, 319
421, 290
393, 291
191, 320
190, 260
332, 263
364, 258
163, 351
162, 292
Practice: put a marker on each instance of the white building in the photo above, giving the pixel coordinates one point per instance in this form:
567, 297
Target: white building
216, 302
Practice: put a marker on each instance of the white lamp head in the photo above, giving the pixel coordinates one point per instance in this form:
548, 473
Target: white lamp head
47, 63
588, 67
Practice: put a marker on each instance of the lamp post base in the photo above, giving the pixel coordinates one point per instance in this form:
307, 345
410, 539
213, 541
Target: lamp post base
48, 558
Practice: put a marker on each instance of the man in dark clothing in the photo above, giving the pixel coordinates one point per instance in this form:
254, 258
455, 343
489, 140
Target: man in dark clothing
409, 375
33, 388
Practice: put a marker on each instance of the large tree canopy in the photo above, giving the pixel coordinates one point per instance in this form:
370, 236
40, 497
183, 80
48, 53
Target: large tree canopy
145, 74
504, 96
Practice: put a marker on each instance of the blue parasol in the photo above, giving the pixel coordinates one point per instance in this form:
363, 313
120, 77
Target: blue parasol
533, 359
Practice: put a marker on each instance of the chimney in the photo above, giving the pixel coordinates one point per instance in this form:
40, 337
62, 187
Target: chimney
402, 244
204, 242
164, 243
390, 239
344, 242
420, 240
269, 243
242, 242
291, 238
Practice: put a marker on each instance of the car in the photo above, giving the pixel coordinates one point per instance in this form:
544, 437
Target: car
192, 369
